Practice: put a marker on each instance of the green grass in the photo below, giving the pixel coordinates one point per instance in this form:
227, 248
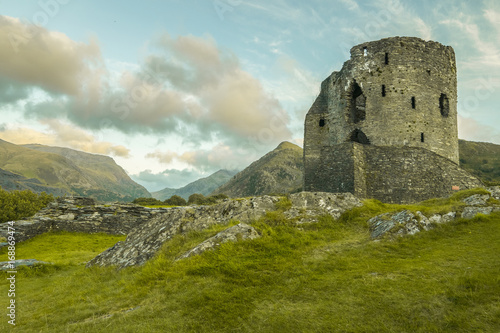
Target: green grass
321, 277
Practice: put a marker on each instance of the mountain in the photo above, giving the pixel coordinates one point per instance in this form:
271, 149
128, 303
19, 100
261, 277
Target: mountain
204, 186
482, 159
72, 172
13, 182
279, 171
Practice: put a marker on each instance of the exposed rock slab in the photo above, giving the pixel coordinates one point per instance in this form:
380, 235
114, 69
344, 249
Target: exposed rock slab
235, 233
146, 239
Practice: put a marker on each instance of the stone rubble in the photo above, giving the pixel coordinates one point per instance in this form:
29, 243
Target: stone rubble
77, 214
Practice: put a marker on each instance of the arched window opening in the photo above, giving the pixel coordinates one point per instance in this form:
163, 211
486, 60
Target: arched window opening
422, 137
383, 90
413, 102
365, 51
321, 122
387, 58
358, 103
444, 105
358, 136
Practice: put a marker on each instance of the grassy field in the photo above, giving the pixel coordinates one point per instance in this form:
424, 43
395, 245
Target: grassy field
322, 277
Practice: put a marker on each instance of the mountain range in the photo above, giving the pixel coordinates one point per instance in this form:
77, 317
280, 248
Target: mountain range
62, 171
203, 186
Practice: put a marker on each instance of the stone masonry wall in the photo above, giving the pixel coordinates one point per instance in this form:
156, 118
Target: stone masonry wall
389, 174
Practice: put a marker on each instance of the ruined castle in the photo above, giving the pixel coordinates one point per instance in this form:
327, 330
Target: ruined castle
385, 125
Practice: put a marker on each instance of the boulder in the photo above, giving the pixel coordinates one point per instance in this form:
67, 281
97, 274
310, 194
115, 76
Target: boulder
470, 212
477, 200
408, 223
495, 191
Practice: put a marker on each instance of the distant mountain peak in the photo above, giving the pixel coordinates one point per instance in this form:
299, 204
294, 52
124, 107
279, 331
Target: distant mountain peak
203, 185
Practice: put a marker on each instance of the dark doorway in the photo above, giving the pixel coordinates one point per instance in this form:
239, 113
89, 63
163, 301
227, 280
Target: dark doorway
383, 90
413, 102
358, 136
321, 122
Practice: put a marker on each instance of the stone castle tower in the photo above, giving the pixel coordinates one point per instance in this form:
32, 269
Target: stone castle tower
385, 125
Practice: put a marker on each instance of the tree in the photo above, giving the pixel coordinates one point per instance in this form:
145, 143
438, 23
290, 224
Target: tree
175, 200
196, 199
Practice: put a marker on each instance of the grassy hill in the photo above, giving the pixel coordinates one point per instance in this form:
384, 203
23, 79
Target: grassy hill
203, 186
71, 171
482, 159
279, 171
322, 277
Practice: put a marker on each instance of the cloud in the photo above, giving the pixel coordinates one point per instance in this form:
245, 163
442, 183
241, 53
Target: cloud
170, 178
185, 82
218, 157
63, 135
43, 58
472, 130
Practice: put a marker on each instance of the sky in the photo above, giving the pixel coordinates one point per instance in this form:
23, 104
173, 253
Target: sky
176, 90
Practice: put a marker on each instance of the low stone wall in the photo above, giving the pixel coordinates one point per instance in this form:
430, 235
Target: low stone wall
82, 215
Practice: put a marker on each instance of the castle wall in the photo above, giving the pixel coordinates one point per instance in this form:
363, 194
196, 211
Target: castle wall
388, 174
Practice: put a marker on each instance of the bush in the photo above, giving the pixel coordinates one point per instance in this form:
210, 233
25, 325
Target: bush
175, 200
17, 205
220, 196
196, 199
147, 202
200, 199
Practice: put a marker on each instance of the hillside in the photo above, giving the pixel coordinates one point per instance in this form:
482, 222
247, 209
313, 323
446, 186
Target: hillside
71, 171
203, 186
325, 276
279, 171
482, 159
10, 181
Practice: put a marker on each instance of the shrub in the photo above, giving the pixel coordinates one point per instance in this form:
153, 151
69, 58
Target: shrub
147, 202
220, 196
175, 200
17, 205
200, 199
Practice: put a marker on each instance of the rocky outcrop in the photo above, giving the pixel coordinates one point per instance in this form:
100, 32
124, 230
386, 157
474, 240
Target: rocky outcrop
235, 233
145, 240
406, 223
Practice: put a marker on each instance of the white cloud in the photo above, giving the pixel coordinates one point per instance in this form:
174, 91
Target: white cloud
472, 130
62, 135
